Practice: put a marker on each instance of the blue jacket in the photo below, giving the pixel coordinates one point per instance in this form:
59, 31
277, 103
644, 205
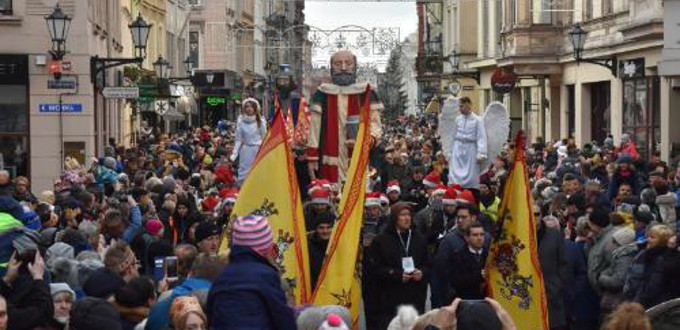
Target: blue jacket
248, 295
135, 224
159, 315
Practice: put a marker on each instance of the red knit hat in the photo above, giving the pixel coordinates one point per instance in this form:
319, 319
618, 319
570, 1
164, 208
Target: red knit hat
432, 180
466, 196
209, 203
449, 197
154, 227
253, 231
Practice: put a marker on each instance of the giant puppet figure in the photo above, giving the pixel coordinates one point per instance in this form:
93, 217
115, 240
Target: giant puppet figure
334, 120
471, 142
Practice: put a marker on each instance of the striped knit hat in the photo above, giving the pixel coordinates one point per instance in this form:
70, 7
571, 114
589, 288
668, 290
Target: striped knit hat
253, 231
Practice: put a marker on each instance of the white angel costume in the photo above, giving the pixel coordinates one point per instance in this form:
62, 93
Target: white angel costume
248, 139
465, 137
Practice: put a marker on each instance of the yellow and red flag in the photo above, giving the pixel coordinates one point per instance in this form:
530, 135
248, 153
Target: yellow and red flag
271, 190
339, 281
513, 269
302, 128
290, 127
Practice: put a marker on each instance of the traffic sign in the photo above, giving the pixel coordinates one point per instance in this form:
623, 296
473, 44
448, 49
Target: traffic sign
161, 107
65, 107
121, 92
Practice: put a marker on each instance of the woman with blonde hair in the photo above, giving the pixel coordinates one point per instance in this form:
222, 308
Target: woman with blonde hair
653, 278
628, 316
250, 131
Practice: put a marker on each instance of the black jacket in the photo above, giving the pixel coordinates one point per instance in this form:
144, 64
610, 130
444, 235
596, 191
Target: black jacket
317, 254
29, 303
385, 267
466, 279
554, 265
653, 277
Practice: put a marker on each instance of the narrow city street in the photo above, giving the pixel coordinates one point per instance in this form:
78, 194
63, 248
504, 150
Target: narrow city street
339, 164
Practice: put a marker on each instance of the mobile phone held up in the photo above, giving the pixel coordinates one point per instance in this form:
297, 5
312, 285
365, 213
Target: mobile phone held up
159, 269
171, 273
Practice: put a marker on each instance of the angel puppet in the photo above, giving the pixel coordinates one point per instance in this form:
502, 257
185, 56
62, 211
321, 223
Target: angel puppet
470, 142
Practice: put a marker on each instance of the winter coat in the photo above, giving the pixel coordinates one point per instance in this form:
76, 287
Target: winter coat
666, 205
159, 316
317, 254
248, 295
581, 302
29, 303
631, 177
551, 254
613, 278
653, 277
466, 279
385, 259
453, 242
599, 255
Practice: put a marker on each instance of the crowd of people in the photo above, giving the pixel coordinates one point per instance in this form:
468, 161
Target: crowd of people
131, 241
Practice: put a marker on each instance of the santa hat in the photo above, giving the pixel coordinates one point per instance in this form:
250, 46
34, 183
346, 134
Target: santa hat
229, 195
450, 196
372, 199
209, 203
384, 200
432, 180
393, 186
318, 184
320, 196
466, 196
439, 189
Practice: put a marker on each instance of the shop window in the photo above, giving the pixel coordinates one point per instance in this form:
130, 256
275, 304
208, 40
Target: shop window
6, 7
641, 113
14, 137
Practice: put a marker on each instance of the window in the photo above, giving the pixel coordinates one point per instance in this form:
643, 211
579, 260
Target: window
589, 10
607, 7
14, 114
194, 48
485, 28
6, 7
641, 113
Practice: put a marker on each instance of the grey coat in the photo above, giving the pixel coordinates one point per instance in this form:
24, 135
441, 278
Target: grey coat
599, 256
554, 265
612, 279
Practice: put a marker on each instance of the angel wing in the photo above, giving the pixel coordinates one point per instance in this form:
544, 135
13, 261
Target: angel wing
447, 123
497, 124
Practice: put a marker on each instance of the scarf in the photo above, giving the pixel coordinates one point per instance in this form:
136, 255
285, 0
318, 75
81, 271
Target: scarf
487, 200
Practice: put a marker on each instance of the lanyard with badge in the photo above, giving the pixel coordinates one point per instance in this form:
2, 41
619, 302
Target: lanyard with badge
407, 263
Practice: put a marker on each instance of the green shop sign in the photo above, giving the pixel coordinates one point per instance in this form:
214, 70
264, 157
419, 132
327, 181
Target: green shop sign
215, 100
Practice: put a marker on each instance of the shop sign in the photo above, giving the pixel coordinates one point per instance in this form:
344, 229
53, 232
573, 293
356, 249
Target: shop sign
633, 68
503, 81
63, 83
121, 92
161, 107
215, 100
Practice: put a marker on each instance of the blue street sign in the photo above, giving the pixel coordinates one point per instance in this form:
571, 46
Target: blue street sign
66, 107
62, 84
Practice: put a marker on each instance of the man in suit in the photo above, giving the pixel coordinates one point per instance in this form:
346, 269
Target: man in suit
468, 278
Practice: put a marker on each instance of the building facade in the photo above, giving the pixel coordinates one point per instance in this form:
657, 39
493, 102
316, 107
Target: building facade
35, 135
556, 97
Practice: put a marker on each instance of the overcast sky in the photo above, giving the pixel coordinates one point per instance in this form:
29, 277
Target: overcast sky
329, 15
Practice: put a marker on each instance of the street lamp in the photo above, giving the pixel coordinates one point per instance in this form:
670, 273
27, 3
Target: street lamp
162, 68
140, 35
454, 60
58, 24
577, 36
188, 65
